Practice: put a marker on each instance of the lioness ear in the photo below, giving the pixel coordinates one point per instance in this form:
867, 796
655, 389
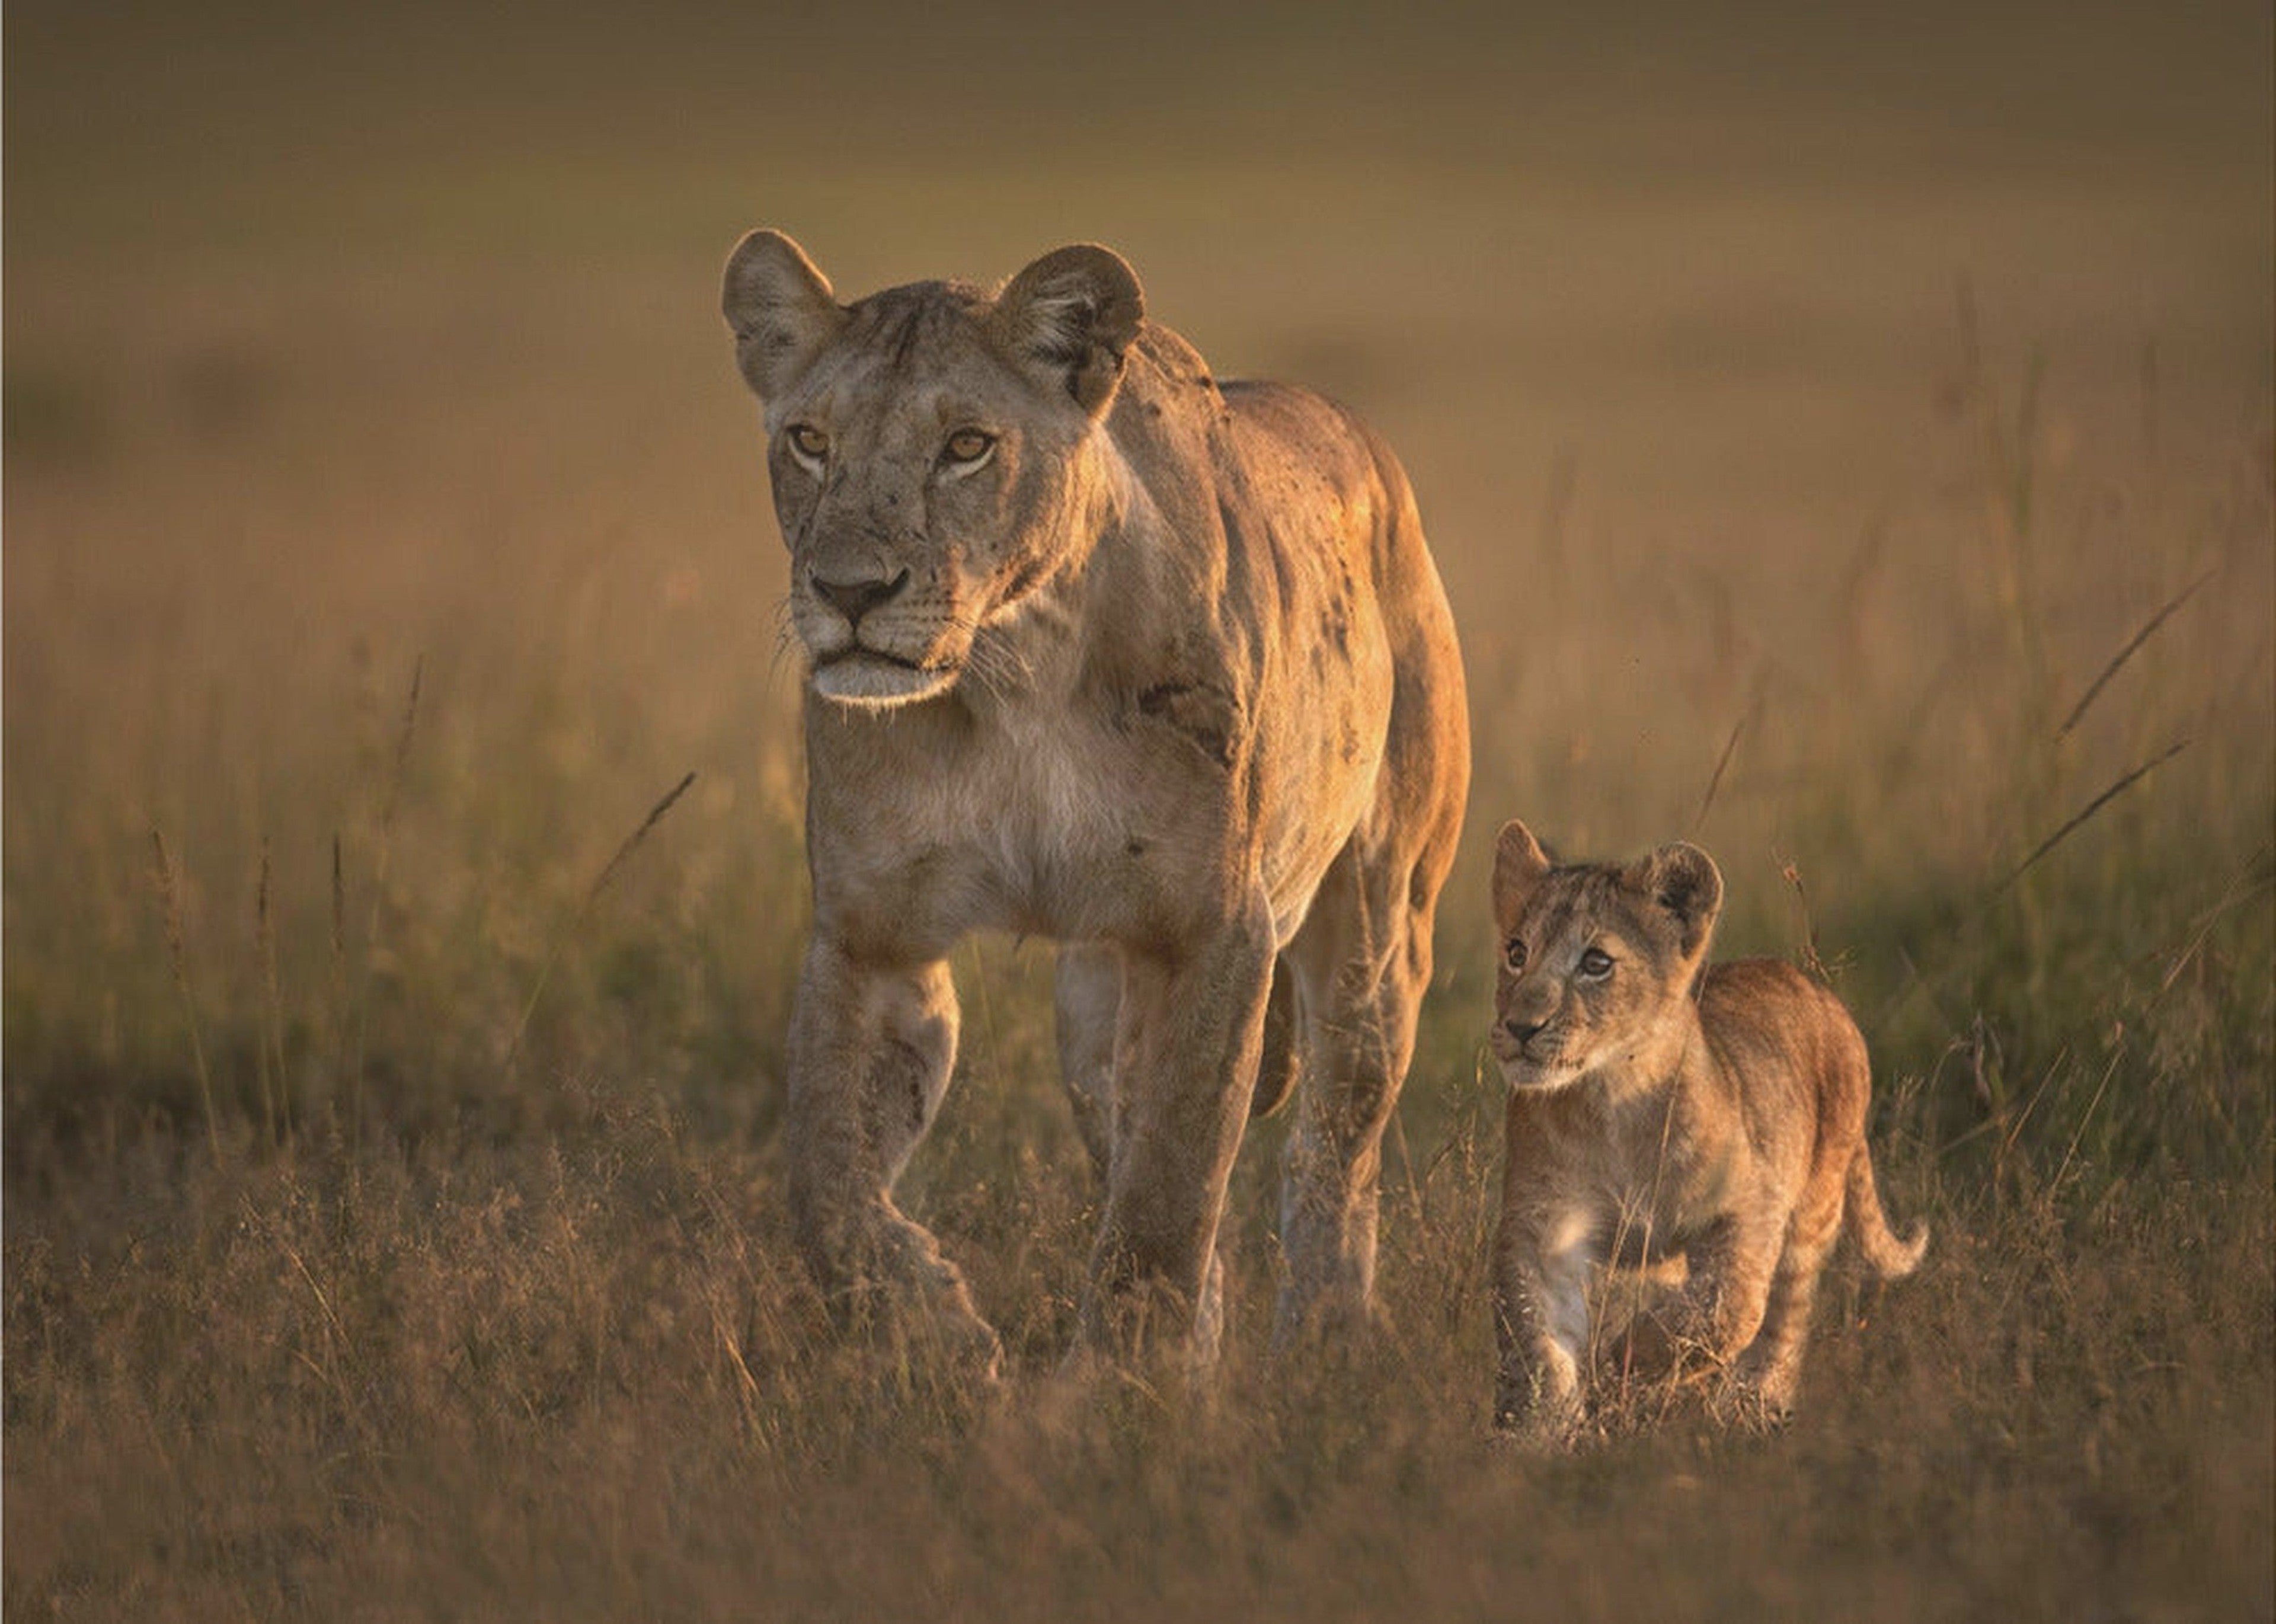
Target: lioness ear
780, 308
1520, 866
1068, 319
1684, 880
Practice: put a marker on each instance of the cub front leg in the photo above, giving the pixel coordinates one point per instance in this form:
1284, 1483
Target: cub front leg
1542, 1265
870, 1051
1718, 1311
1191, 1028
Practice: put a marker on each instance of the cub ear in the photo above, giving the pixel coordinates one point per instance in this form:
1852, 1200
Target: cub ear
1068, 320
780, 308
1684, 880
1520, 866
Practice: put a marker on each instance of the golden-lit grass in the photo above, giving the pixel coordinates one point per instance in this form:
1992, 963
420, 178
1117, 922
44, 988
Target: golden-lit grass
580, 1377
393, 1216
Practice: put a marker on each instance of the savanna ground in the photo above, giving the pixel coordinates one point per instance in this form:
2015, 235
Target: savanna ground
1808, 418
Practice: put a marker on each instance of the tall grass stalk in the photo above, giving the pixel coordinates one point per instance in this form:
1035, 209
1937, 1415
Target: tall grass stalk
2077, 820
268, 1038
336, 984
170, 896
389, 802
2149, 627
1722, 763
563, 937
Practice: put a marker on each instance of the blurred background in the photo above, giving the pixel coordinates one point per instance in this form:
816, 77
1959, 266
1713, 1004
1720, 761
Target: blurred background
1805, 406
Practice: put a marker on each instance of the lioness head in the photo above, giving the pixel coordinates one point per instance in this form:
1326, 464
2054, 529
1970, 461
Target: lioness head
1594, 957
931, 450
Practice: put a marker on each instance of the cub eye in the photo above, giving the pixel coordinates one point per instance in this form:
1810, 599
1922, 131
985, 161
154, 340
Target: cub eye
1595, 962
968, 446
808, 442
1513, 955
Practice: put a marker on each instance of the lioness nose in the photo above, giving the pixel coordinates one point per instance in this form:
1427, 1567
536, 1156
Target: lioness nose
1522, 1029
855, 598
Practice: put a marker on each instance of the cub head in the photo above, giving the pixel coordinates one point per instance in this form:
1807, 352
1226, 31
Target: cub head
931, 450
1596, 960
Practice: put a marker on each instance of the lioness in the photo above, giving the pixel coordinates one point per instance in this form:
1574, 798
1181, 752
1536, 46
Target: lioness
1102, 650
1660, 1110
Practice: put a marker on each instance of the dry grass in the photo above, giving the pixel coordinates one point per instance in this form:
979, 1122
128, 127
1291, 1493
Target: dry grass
583, 1378
347, 1276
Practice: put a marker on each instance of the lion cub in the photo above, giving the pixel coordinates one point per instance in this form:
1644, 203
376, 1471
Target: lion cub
1660, 1110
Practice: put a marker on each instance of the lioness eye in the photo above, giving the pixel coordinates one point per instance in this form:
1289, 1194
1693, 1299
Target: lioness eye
808, 441
1595, 962
968, 446
1515, 954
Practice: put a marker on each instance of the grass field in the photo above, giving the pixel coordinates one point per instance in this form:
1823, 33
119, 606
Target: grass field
1856, 456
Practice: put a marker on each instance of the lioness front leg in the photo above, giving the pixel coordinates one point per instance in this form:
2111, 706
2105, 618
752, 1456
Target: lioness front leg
871, 1047
1191, 1030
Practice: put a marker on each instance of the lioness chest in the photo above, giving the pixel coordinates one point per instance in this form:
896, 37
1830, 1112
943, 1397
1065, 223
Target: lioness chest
1058, 825
1120, 820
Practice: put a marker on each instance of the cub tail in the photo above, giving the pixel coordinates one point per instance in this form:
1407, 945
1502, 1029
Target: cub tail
1868, 1225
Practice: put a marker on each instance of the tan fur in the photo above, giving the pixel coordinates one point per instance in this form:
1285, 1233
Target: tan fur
1164, 672
1661, 1111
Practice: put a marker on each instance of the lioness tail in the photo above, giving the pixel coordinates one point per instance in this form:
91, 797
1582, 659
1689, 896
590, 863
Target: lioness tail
1868, 1225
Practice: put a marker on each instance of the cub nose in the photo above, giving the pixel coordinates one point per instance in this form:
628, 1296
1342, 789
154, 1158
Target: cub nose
1523, 1030
855, 598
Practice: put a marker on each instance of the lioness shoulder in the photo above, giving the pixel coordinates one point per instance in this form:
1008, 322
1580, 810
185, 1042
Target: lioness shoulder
1663, 1109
